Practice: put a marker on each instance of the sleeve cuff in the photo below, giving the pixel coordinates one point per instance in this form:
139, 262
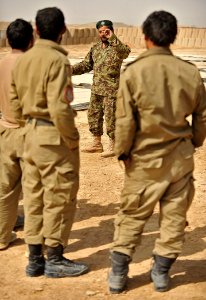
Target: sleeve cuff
112, 38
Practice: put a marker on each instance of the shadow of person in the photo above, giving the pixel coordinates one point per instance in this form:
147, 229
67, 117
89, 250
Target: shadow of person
91, 237
182, 273
188, 271
86, 210
16, 243
103, 230
138, 281
98, 260
96, 241
194, 241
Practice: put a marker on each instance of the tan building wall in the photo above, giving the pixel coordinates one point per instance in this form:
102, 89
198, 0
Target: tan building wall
188, 37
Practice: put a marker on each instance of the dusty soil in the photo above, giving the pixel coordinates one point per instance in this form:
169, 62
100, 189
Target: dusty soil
101, 181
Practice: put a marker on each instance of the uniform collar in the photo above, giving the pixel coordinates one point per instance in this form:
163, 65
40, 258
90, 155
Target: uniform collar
156, 51
48, 43
16, 51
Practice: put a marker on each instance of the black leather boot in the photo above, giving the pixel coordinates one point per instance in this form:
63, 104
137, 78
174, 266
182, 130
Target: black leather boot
159, 272
58, 266
19, 222
36, 261
118, 275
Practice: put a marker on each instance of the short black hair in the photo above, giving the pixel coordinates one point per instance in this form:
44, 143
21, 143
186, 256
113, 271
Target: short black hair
19, 34
161, 28
50, 23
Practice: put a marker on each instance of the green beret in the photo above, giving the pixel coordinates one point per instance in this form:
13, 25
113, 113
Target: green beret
107, 23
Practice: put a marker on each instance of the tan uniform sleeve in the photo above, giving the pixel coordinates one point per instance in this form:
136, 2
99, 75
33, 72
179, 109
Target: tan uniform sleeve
126, 124
199, 116
16, 104
59, 108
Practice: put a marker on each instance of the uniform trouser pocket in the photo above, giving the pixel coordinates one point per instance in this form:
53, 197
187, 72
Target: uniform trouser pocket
130, 221
173, 210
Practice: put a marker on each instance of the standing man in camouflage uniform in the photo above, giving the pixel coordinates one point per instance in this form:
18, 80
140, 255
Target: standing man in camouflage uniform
41, 94
156, 142
105, 59
20, 37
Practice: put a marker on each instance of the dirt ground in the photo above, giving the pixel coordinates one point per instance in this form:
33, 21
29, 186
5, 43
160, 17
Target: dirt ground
101, 181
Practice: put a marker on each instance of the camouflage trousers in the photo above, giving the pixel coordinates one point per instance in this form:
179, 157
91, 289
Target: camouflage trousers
101, 107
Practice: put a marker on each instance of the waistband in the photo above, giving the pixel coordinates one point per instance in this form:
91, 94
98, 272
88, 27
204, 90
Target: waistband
40, 122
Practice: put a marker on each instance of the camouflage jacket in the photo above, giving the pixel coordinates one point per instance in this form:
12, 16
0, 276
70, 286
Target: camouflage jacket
106, 64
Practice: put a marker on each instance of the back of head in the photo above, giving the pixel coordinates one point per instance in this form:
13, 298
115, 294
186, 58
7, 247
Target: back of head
19, 34
161, 28
50, 23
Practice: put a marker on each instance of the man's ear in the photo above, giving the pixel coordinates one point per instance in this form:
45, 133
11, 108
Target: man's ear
149, 44
63, 30
36, 30
31, 44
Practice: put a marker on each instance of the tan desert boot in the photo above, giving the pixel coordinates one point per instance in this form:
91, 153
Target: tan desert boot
110, 151
96, 146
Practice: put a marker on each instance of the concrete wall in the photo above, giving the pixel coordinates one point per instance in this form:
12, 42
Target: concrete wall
188, 37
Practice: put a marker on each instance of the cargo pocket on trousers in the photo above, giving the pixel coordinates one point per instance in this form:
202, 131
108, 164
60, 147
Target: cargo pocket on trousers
127, 217
64, 178
117, 223
132, 200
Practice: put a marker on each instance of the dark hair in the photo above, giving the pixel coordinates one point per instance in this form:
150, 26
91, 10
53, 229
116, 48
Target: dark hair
50, 23
19, 34
161, 28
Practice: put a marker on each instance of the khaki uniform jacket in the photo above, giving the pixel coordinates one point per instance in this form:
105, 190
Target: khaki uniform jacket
106, 64
157, 93
42, 88
6, 66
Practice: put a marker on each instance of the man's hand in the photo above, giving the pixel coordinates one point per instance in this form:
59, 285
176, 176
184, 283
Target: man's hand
108, 33
127, 162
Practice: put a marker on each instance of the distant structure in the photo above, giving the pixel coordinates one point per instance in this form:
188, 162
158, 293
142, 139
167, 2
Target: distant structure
188, 37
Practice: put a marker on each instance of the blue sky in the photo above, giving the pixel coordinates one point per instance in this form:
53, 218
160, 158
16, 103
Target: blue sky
132, 12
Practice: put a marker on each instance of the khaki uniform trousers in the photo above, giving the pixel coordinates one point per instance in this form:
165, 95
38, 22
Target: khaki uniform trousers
167, 180
11, 164
100, 107
50, 186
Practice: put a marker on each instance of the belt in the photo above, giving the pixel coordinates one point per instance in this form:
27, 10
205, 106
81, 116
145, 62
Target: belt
40, 122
